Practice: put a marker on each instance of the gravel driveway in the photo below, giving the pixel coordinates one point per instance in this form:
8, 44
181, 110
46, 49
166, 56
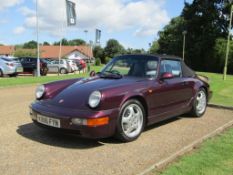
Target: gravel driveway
27, 149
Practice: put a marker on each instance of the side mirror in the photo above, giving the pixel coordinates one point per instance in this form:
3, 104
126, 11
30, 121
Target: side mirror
166, 75
92, 73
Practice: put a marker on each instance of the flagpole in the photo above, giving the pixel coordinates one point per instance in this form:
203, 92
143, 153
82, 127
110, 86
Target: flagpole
60, 50
60, 46
38, 45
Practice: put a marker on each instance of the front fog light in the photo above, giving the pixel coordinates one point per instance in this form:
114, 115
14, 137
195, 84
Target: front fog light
79, 121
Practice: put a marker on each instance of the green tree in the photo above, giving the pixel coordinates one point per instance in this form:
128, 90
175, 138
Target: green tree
154, 47
113, 48
64, 42
25, 53
204, 21
170, 39
219, 55
98, 52
30, 45
46, 43
76, 42
129, 51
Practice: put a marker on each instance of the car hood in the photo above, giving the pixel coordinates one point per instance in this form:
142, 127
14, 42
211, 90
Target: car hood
76, 95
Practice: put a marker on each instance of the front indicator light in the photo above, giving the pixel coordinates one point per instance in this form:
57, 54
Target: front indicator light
97, 121
91, 122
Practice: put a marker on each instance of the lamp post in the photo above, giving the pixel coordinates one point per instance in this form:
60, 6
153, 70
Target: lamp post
184, 40
228, 46
38, 45
149, 47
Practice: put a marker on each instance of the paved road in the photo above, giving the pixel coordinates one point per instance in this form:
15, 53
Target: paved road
26, 149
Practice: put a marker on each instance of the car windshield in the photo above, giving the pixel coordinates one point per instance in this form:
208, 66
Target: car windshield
135, 66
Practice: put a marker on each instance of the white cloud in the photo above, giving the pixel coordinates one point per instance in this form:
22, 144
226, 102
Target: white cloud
27, 11
19, 30
9, 3
145, 17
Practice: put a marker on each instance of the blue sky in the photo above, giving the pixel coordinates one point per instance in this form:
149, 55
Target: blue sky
133, 23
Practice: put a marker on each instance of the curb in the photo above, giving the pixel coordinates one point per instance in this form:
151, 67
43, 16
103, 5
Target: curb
220, 106
166, 161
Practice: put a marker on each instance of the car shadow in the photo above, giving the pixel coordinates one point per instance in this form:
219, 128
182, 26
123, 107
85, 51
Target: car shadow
32, 132
147, 128
167, 121
161, 123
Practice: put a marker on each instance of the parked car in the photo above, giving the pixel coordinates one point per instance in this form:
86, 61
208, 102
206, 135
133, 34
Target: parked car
131, 92
10, 66
72, 65
30, 66
63, 68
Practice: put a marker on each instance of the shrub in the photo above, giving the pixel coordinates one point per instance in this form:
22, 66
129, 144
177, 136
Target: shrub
97, 62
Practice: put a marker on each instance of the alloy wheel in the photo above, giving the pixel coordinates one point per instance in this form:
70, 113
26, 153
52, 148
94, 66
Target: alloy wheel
132, 120
201, 102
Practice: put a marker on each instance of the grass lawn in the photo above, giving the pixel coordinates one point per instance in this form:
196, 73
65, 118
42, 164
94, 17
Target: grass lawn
215, 157
5, 82
223, 90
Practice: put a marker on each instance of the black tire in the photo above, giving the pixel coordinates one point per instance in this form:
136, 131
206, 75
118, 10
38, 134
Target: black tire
14, 75
44, 72
1, 73
63, 71
194, 111
34, 73
120, 134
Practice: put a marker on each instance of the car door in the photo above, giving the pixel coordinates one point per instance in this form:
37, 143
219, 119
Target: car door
169, 96
53, 67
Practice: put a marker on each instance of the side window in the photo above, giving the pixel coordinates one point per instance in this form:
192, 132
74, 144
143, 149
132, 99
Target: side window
171, 66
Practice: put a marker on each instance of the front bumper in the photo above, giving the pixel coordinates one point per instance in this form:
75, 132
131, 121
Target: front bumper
66, 115
12, 70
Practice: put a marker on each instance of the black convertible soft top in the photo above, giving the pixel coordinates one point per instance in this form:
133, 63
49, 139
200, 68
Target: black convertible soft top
187, 71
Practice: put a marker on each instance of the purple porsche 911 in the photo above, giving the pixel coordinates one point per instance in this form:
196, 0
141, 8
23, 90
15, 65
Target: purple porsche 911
131, 92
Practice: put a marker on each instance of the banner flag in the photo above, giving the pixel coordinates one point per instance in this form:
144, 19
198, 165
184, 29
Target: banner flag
97, 36
71, 13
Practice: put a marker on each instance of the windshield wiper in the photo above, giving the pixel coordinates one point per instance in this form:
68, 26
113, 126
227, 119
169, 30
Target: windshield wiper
110, 74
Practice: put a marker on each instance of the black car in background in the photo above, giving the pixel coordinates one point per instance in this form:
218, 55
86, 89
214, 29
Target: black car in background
30, 65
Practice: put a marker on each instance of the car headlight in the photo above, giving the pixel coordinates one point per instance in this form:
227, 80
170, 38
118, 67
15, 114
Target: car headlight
40, 90
94, 99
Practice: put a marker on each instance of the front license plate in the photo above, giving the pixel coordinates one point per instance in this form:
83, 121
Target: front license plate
49, 121
19, 69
